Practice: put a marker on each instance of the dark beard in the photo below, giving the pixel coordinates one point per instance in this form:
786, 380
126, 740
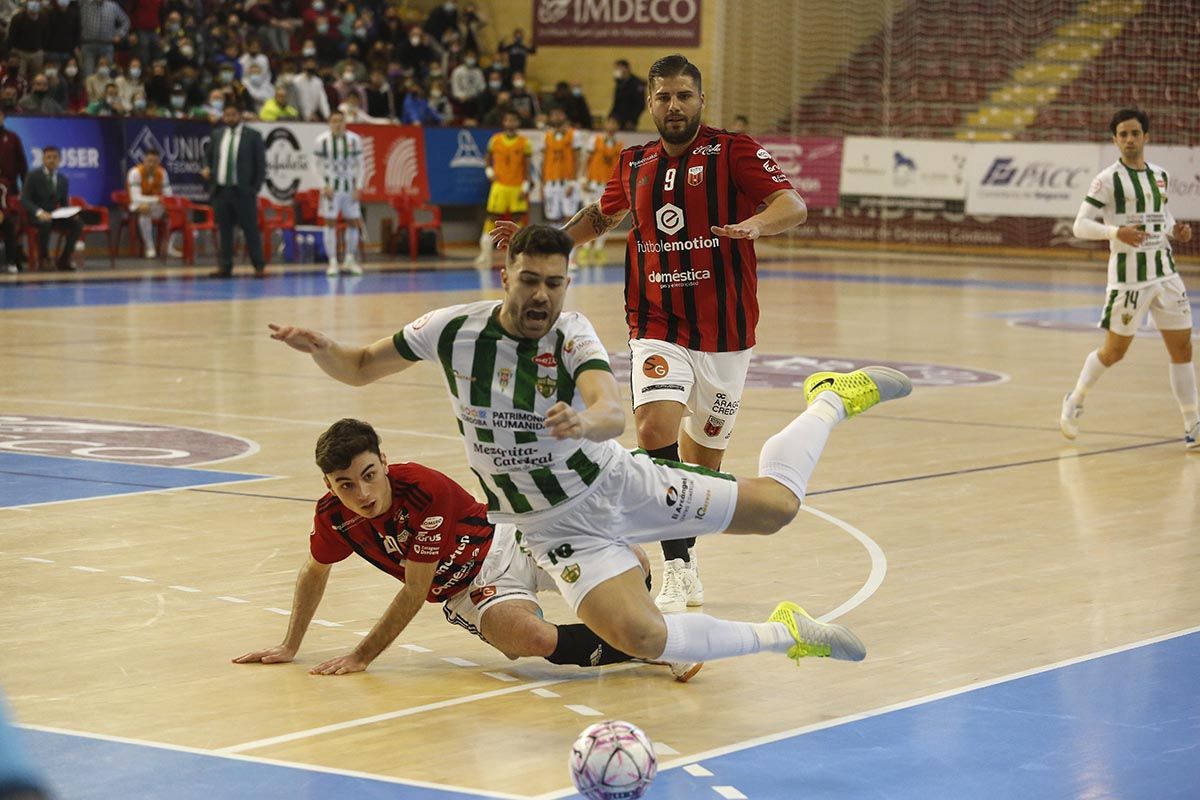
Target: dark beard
684, 136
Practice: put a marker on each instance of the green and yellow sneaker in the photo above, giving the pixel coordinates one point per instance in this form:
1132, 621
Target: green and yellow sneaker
860, 389
819, 639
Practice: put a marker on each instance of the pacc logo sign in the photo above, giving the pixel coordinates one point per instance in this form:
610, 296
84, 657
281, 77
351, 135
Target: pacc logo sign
1034, 175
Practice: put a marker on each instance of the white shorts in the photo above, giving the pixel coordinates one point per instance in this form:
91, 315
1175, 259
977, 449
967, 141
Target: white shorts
508, 573
709, 385
638, 500
341, 203
557, 202
1165, 301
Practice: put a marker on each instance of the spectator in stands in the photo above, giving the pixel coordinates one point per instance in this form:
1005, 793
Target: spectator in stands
45, 191
418, 51
108, 104
103, 24
517, 51
8, 99
177, 103
27, 35
147, 184
382, 100
76, 88
494, 118
62, 31
629, 96
254, 55
229, 59
278, 108
13, 167
469, 26
158, 85
39, 101
308, 49
741, 124
389, 28
271, 18
442, 19
352, 64
141, 107
378, 56
11, 77
145, 19
182, 54
570, 104
99, 79
467, 86
214, 109
327, 40
345, 86
523, 101
416, 109
131, 82
354, 113
55, 87
259, 88
310, 93
439, 102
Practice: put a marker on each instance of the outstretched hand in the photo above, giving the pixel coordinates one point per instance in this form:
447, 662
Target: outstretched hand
502, 232
342, 665
301, 339
1182, 231
272, 655
738, 230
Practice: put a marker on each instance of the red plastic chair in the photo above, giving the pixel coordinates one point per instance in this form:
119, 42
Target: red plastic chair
273, 217
100, 226
407, 209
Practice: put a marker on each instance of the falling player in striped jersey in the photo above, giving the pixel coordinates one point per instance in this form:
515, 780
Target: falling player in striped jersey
539, 412
603, 153
339, 163
422, 528
1131, 198
690, 280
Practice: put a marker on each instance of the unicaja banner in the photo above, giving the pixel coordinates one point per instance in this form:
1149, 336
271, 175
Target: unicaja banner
657, 23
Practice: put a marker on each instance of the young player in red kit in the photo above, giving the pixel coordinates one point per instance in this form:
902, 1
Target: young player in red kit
690, 279
425, 530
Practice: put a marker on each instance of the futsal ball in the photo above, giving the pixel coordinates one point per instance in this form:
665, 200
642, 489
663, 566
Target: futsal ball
613, 760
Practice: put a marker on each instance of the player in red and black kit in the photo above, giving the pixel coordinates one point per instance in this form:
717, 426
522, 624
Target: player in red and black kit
422, 528
690, 279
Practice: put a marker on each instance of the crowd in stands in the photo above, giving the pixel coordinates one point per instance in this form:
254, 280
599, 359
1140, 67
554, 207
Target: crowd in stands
278, 60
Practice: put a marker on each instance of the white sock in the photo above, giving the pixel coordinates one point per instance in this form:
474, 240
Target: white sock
146, 226
1183, 384
791, 456
1091, 372
351, 244
331, 244
699, 637
485, 242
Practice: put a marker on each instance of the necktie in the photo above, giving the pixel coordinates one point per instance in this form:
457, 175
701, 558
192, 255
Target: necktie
230, 159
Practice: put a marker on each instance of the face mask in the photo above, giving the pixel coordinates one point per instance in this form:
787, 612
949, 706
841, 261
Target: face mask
471, 62
172, 27
414, 40
187, 52
139, 105
322, 29
226, 77
177, 101
309, 52
135, 72
348, 77
51, 72
518, 84
360, 33
102, 72
256, 79
64, 3
577, 92
71, 72
449, 6
34, 7
217, 105
618, 74
494, 85
318, 6
435, 94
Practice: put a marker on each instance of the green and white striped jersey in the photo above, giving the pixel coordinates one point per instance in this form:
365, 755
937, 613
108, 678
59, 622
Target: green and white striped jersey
1137, 198
501, 388
339, 160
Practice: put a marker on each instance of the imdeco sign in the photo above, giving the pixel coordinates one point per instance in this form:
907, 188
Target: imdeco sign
617, 22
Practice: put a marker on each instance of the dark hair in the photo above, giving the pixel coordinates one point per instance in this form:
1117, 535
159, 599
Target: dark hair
540, 240
345, 440
151, 151
673, 65
50, 148
622, 62
1129, 113
743, 118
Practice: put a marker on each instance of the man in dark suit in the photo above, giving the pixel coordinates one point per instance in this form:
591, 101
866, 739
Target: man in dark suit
45, 190
237, 167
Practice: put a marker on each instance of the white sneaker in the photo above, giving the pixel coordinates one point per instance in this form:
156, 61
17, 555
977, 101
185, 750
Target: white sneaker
1068, 420
679, 584
352, 267
174, 252
151, 252
332, 271
696, 598
1191, 439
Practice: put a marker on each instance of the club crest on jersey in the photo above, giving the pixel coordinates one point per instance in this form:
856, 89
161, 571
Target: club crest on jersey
713, 427
546, 386
570, 573
696, 175
1125, 318
503, 377
546, 360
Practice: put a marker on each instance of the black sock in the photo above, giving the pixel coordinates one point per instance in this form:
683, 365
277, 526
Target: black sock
673, 548
578, 645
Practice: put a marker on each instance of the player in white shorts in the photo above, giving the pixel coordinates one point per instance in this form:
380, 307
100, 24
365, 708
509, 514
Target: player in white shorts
338, 158
1131, 198
539, 412
148, 183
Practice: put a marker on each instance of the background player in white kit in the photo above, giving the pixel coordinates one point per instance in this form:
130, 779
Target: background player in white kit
147, 184
1131, 196
339, 162
539, 411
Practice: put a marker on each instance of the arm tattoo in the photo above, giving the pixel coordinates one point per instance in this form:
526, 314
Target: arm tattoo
598, 223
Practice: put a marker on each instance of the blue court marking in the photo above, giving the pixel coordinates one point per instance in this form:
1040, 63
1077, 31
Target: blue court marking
307, 284
1124, 724
31, 479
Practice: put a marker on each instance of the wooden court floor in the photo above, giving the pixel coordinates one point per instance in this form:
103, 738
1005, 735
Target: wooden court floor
960, 535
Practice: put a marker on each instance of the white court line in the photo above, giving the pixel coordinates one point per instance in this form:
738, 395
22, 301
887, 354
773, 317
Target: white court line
729, 793
833, 723
416, 648
404, 712
283, 612
661, 749
545, 693
459, 662
324, 623
136, 579
37, 560
349, 773
229, 599
585, 711
188, 589
87, 569
223, 415
878, 565
502, 676
697, 771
